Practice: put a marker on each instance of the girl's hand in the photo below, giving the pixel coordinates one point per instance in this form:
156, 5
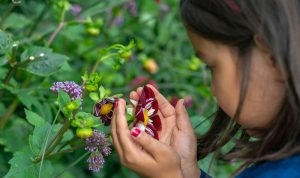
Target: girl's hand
177, 131
140, 152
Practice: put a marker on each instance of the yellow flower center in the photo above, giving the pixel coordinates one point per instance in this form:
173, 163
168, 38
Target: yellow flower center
146, 117
105, 109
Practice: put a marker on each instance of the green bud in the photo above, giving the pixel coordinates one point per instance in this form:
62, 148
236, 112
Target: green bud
91, 87
84, 132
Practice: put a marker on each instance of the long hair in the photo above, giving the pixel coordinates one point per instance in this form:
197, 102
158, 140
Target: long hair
235, 23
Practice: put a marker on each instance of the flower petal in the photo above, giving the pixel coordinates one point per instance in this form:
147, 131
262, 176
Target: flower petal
151, 131
139, 113
156, 122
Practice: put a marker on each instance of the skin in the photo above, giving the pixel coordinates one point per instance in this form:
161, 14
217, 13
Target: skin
265, 87
174, 155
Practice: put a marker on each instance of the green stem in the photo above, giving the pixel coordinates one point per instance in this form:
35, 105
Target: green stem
58, 28
72, 164
65, 151
54, 34
70, 142
59, 137
12, 107
8, 113
46, 142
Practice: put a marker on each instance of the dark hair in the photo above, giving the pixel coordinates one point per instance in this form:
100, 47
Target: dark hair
277, 24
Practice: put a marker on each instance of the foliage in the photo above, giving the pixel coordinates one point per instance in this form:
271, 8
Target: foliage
103, 45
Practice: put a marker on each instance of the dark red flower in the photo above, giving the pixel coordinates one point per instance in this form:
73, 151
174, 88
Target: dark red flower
104, 110
146, 117
174, 100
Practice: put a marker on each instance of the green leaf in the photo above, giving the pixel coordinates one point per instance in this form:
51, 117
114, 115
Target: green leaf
16, 21
34, 118
102, 92
36, 140
94, 96
15, 136
63, 99
45, 61
5, 41
25, 99
22, 166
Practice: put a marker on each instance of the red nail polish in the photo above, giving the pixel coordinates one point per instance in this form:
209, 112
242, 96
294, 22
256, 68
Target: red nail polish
135, 132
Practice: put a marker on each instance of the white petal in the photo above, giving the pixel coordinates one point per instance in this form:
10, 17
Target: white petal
151, 111
141, 126
150, 131
148, 106
133, 102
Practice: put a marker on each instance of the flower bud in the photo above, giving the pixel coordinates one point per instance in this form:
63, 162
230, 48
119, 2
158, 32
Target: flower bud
126, 54
93, 31
91, 87
84, 132
151, 66
73, 105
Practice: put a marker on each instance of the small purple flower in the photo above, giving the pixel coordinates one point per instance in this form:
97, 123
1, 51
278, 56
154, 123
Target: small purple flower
96, 161
132, 8
73, 89
98, 142
75, 9
119, 20
164, 8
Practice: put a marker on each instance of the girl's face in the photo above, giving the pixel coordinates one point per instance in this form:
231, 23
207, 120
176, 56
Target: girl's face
265, 87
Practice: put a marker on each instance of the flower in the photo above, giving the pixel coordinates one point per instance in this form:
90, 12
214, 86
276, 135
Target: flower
99, 146
132, 8
174, 100
146, 117
98, 142
119, 20
164, 8
188, 101
75, 9
96, 161
104, 110
73, 89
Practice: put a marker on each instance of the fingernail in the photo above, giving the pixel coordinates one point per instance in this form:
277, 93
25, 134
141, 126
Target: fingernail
135, 132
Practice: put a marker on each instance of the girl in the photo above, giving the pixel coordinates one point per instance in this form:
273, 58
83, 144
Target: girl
251, 47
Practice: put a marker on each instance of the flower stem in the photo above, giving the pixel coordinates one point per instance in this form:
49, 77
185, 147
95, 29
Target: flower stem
58, 28
46, 142
8, 113
65, 151
54, 34
59, 137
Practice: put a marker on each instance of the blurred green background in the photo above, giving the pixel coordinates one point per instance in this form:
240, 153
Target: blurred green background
78, 30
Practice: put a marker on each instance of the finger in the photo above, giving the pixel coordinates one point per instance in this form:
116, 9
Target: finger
165, 107
115, 139
134, 95
122, 131
149, 144
182, 118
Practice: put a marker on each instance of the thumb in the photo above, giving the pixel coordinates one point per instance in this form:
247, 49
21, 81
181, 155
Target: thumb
182, 118
148, 143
